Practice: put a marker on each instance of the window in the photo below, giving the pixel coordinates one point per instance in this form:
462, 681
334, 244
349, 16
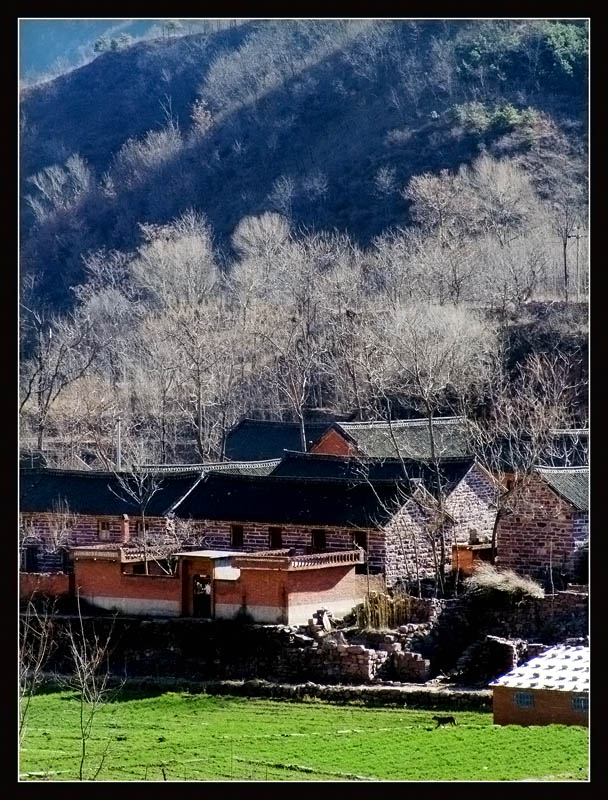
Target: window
580, 702
236, 535
524, 699
360, 539
139, 528
319, 541
103, 529
66, 563
275, 538
29, 558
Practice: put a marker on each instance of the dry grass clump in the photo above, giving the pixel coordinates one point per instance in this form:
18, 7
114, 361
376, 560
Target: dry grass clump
381, 612
487, 578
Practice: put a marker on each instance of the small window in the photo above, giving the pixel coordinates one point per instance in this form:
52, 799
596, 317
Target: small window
275, 538
524, 699
139, 568
319, 541
360, 539
103, 527
580, 702
29, 558
139, 528
236, 535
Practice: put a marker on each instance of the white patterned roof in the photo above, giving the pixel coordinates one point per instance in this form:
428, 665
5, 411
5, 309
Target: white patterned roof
563, 668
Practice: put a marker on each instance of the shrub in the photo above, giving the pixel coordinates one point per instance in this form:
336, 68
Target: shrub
487, 579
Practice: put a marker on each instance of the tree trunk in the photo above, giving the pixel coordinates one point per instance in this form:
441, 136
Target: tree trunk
565, 249
302, 433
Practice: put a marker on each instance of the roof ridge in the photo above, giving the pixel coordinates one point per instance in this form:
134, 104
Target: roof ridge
298, 479
562, 470
400, 423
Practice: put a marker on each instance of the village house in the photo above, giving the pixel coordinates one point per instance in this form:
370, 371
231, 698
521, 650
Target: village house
65, 508
259, 439
270, 587
403, 438
326, 504
544, 531
552, 688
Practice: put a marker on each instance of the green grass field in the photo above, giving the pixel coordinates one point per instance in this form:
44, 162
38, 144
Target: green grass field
203, 737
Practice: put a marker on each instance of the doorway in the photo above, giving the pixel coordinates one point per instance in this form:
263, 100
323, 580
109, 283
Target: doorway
201, 603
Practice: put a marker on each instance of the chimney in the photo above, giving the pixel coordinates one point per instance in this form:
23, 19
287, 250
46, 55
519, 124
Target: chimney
124, 524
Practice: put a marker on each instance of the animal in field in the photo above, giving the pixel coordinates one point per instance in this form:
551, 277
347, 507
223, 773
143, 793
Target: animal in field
444, 721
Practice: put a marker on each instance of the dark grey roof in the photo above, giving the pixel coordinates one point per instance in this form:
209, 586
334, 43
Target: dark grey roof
409, 438
320, 466
275, 500
95, 492
258, 439
571, 483
233, 467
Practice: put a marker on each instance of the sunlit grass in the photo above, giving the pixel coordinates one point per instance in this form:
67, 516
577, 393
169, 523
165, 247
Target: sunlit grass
179, 736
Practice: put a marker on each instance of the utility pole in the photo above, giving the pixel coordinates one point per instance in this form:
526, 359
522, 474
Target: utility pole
118, 446
578, 236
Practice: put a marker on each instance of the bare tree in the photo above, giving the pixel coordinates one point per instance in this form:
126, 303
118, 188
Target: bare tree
65, 350
90, 676
567, 215
35, 647
526, 411
139, 487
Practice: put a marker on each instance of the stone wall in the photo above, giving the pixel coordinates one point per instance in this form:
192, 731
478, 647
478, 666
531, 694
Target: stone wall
540, 530
473, 505
202, 650
469, 619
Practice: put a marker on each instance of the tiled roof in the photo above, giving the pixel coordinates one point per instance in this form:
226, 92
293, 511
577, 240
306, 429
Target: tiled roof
233, 467
563, 668
274, 500
571, 483
95, 492
317, 465
409, 438
257, 439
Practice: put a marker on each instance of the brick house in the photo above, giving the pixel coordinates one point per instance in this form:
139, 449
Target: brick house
65, 508
546, 525
552, 688
328, 507
404, 438
272, 587
258, 439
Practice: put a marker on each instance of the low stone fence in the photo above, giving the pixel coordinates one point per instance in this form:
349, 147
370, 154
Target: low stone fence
331, 663
431, 698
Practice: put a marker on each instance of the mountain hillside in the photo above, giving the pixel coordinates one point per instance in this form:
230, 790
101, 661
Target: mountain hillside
323, 122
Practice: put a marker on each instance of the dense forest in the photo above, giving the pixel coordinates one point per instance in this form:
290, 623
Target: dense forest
376, 217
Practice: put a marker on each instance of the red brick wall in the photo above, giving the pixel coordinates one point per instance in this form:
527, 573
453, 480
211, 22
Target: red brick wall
322, 585
539, 518
255, 587
550, 706
106, 579
54, 584
332, 443
290, 595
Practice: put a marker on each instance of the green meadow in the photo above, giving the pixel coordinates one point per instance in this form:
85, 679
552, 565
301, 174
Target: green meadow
158, 735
